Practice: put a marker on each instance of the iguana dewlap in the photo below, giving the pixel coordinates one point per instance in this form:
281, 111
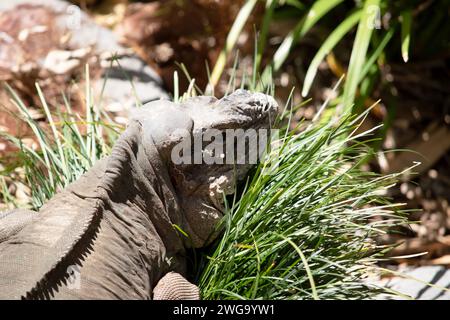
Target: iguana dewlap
111, 234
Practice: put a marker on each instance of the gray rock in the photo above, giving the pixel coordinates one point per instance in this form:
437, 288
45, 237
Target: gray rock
130, 82
129, 79
422, 283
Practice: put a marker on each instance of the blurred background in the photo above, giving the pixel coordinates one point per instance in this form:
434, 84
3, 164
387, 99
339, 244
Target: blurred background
394, 52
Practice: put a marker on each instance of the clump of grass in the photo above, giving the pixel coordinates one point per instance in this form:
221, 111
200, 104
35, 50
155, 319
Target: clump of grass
306, 229
67, 148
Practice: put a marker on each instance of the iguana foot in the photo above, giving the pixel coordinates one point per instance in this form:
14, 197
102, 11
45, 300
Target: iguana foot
173, 286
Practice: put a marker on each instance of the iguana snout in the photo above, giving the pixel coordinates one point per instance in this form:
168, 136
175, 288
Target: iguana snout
239, 110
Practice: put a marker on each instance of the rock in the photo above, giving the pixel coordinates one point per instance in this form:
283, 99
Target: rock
84, 33
50, 43
130, 82
189, 32
64, 61
422, 283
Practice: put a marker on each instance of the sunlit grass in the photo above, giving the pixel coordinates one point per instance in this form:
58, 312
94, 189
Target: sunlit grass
307, 229
67, 148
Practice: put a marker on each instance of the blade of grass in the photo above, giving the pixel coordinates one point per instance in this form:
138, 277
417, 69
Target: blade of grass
305, 263
317, 11
376, 53
359, 51
176, 87
336, 36
262, 39
48, 114
40, 135
232, 37
406, 18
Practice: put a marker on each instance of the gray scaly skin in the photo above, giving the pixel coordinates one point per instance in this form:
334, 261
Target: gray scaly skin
115, 224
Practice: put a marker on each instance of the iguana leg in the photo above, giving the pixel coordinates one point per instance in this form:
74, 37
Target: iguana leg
12, 221
173, 286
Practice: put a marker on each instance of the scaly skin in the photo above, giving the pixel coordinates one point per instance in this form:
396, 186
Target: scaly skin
114, 226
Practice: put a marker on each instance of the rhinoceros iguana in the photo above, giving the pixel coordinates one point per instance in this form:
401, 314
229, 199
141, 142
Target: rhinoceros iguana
122, 226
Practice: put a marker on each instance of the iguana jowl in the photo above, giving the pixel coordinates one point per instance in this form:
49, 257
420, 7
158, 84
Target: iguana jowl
115, 224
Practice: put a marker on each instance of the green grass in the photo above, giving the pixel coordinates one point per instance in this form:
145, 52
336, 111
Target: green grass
67, 149
359, 50
305, 231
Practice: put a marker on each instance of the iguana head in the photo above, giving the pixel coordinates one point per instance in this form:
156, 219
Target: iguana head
208, 145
